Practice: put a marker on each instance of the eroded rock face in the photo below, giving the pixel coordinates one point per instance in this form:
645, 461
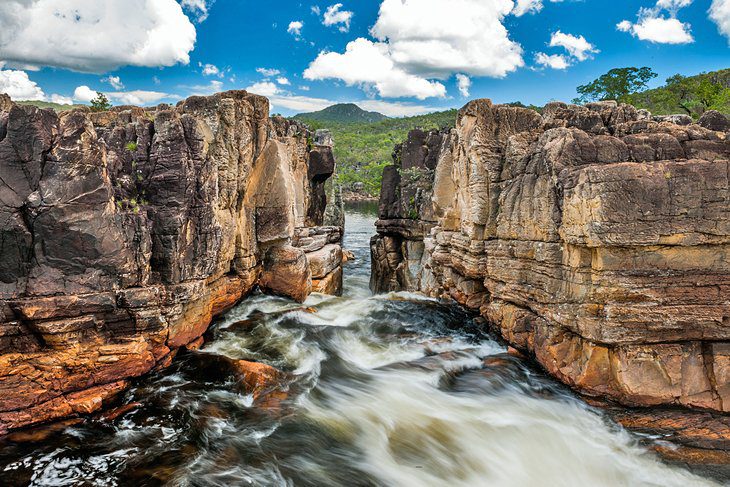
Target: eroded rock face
123, 233
595, 238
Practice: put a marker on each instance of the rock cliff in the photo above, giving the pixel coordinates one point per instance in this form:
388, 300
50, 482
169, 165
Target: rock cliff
123, 233
596, 239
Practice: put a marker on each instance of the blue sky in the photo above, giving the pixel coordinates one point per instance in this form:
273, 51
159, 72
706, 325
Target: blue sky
399, 57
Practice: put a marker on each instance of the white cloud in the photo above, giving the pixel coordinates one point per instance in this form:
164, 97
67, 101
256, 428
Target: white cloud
464, 84
214, 86
553, 61
660, 24
419, 42
197, 7
61, 100
440, 37
334, 16
304, 88
94, 36
370, 65
295, 28
84, 94
316, 10
138, 97
282, 80
263, 88
394, 109
19, 86
578, 47
523, 7
720, 15
268, 72
210, 70
115, 81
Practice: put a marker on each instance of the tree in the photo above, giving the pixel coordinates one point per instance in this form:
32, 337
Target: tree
617, 84
100, 103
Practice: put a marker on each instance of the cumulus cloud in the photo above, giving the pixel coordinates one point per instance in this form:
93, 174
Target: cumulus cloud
211, 70
114, 81
334, 16
463, 82
61, 100
523, 7
418, 42
720, 15
659, 24
197, 7
19, 86
263, 88
553, 61
370, 65
295, 28
84, 94
283, 80
577, 46
94, 36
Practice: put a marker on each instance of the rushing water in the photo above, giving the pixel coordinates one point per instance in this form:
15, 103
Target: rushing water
393, 390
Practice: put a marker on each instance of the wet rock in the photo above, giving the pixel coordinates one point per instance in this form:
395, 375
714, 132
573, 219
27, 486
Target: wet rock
286, 273
329, 284
325, 260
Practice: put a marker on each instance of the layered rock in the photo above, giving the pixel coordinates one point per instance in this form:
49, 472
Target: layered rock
595, 238
123, 233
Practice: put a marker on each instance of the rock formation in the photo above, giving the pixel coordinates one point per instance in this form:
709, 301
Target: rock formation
596, 239
123, 233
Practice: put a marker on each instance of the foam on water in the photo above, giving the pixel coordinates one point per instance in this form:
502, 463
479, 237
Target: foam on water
392, 390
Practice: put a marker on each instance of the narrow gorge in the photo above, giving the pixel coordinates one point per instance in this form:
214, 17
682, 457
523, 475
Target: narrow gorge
186, 300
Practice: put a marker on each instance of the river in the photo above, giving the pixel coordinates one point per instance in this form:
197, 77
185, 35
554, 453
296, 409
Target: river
392, 390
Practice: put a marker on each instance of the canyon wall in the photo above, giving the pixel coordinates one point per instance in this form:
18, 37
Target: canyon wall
123, 233
596, 239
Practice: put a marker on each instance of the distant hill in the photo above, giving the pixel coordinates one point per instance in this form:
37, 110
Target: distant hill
343, 113
47, 104
690, 95
364, 149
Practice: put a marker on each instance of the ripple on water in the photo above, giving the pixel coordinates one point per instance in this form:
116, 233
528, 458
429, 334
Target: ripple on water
393, 390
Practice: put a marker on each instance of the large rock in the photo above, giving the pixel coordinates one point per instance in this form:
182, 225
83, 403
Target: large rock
594, 238
123, 233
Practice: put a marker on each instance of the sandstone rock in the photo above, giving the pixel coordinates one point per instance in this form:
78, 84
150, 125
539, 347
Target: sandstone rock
125, 232
714, 120
286, 273
325, 260
329, 284
592, 238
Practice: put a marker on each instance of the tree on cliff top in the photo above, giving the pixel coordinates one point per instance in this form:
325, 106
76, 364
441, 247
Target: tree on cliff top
617, 84
100, 103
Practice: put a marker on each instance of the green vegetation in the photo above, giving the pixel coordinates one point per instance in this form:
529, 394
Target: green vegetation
343, 113
100, 103
691, 95
47, 104
617, 84
364, 149
131, 146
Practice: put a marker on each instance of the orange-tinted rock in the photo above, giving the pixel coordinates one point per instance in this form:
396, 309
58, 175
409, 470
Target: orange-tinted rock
145, 226
596, 239
257, 377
